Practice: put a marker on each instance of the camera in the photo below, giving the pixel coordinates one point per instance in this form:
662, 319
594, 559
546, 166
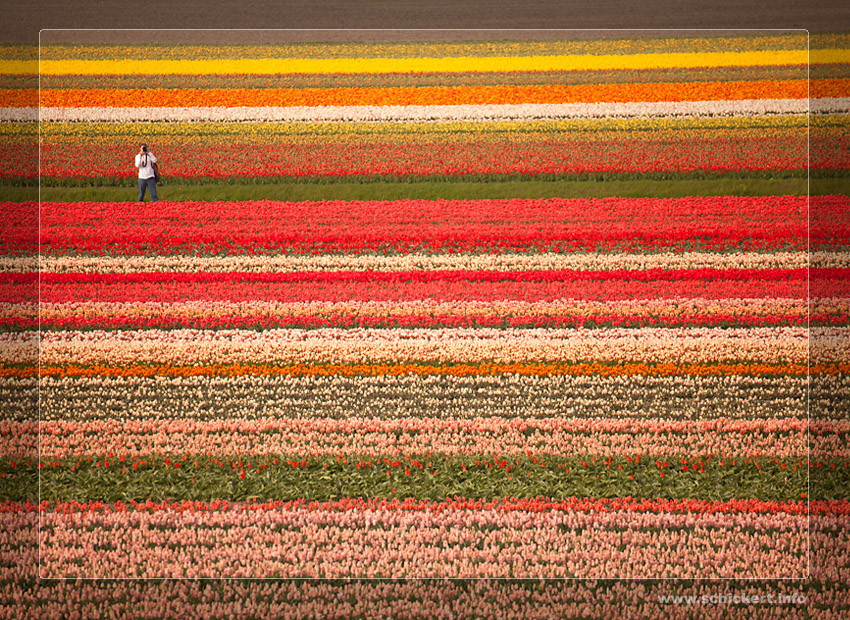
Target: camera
144, 149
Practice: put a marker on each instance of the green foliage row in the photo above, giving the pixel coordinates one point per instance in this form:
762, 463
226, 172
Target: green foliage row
430, 477
598, 177
177, 190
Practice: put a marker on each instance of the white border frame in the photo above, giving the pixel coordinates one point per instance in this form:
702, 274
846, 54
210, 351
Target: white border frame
547, 579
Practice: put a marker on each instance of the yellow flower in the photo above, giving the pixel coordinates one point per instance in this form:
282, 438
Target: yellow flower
414, 65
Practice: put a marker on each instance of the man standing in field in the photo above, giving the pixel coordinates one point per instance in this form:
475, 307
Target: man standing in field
145, 161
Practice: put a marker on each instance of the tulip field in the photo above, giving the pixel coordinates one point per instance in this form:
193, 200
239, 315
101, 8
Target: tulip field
450, 384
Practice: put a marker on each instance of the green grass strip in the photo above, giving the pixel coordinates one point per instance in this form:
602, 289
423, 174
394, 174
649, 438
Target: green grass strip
457, 190
479, 179
421, 476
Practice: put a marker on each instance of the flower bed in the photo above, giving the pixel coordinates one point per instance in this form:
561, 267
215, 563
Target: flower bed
515, 388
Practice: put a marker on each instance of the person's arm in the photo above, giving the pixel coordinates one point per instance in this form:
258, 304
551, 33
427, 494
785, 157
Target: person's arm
153, 157
136, 160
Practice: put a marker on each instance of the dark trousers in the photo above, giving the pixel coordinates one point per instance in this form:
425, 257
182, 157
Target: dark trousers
150, 185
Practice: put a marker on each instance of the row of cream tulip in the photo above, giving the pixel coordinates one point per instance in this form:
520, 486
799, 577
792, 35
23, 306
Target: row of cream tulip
411, 262
436, 345
434, 113
471, 308
394, 396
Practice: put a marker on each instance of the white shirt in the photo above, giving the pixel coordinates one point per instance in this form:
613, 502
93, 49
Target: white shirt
143, 163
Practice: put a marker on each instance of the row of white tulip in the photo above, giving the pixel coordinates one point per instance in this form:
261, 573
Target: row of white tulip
436, 113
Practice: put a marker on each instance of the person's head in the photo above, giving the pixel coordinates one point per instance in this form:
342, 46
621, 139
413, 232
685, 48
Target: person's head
144, 147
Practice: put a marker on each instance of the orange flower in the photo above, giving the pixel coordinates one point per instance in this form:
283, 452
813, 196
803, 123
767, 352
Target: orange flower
423, 96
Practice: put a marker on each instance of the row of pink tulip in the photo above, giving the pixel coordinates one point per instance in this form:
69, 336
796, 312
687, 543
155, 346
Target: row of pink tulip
418, 599
559, 436
449, 543
422, 313
284, 263
829, 553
